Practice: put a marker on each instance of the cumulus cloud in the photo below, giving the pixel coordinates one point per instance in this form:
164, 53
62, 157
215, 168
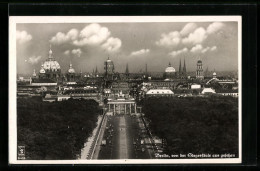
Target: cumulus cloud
112, 44
198, 36
33, 60
61, 38
215, 27
67, 52
196, 48
23, 37
170, 39
199, 49
190, 34
76, 52
205, 50
140, 52
213, 48
188, 28
176, 53
92, 34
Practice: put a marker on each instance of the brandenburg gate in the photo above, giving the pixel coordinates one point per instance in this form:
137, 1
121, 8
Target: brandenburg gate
121, 106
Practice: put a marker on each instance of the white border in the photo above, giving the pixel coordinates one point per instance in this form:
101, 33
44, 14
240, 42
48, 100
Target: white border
13, 20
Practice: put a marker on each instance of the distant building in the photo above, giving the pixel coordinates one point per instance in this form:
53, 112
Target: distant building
84, 94
214, 75
208, 91
118, 87
34, 74
228, 92
109, 69
170, 72
199, 71
43, 82
182, 70
50, 68
159, 92
71, 74
107, 92
50, 98
195, 86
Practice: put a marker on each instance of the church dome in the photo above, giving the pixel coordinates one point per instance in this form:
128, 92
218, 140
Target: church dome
169, 69
199, 61
71, 70
51, 63
108, 60
214, 73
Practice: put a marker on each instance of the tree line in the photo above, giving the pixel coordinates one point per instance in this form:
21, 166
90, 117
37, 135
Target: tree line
57, 130
194, 124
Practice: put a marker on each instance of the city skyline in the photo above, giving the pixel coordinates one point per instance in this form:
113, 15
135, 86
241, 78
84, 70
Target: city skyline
88, 45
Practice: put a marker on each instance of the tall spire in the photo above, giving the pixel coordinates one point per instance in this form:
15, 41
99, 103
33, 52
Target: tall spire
34, 73
126, 70
70, 65
146, 68
180, 68
50, 52
96, 70
184, 67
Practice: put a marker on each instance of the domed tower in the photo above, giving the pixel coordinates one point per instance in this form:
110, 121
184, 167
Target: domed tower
199, 71
109, 68
71, 73
42, 72
34, 74
170, 72
214, 75
51, 67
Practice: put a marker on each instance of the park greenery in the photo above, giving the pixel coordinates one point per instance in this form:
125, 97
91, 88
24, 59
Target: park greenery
194, 124
57, 130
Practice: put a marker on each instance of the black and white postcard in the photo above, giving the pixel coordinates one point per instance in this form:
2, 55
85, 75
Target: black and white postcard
125, 89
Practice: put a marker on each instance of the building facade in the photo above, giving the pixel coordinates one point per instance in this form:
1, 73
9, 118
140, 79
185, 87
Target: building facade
199, 71
50, 69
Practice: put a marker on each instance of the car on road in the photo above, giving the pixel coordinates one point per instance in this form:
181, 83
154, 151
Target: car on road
104, 142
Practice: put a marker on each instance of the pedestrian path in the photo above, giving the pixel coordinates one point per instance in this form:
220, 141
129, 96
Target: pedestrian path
89, 145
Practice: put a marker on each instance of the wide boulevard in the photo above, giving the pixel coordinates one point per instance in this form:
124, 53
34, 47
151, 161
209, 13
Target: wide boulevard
124, 137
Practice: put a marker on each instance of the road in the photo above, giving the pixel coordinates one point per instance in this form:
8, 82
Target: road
122, 138
124, 134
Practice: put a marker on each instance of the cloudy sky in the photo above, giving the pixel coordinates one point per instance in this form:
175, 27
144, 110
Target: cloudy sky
88, 45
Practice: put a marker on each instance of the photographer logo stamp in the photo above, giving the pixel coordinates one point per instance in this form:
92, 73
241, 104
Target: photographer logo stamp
21, 152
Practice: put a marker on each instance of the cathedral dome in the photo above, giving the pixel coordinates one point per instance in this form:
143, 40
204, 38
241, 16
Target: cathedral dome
214, 73
169, 69
51, 63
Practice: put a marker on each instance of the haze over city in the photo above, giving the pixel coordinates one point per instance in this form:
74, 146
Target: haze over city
88, 45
